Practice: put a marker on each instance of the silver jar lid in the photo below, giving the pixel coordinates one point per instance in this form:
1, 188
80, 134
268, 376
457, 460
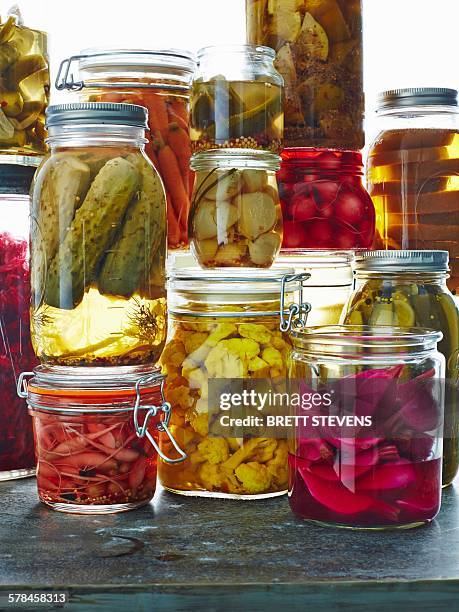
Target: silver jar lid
402, 261
99, 113
417, 96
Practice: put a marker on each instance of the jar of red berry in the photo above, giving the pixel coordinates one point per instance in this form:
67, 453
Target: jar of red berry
17, 458
324, 203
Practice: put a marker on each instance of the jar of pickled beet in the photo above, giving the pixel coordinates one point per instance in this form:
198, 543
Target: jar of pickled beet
17, 457
367, 448
237, 99
236, 218
406, 288
324, 203
96, 436
159, 80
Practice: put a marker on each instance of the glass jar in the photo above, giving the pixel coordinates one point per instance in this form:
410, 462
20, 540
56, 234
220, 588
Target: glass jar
408, 288
413, 170
318, 47
24, 92
98, 240
236, 99
17, 457
96, 436
160, 81
329, 285
381, 468
225, 325
235, 218
324, 203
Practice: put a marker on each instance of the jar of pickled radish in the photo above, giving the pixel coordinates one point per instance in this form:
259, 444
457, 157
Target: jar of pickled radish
232, 325
319, 52
413, 170
98, 240
324, 203
24, 92
96, 436
236, 99
236, 218
368, 452
330, 281
17, 457
408, 288
159, 80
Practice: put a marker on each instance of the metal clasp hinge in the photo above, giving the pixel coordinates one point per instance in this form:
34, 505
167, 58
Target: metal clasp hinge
297, 313
21, 386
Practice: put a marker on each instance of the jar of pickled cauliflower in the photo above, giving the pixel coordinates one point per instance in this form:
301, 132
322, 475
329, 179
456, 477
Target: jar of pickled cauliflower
369, 452
98, 240
96, 435
160, 81
232, 325
236, 218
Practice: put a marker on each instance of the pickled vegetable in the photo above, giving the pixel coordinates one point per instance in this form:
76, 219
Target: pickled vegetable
24, 89
235, 218
319, 54
227, 347
98, 259
236, 114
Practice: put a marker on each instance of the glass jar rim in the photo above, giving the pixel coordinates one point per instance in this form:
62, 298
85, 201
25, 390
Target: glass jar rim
235, 158
105, 57
327, 268
247, 48
328, 160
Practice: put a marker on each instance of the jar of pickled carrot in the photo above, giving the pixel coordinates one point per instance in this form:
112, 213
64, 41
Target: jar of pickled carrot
324, 203
368, 452
96, 433
160, 81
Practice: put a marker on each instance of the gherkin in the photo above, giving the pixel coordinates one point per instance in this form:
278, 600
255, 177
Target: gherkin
89, 235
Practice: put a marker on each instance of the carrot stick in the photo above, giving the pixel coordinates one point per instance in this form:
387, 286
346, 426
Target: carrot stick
158, 113
170, 173
178, 107
179, 142
173, 229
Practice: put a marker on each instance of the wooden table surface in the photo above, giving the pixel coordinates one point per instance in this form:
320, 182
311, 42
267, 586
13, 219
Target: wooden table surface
202, 554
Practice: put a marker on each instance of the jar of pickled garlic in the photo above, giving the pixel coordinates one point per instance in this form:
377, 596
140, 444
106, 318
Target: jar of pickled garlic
319, 50
24, 92
159, 80
324, 203
408, 288
96, 435
236, 218
413, 170
330, 281
232, 325
17, 458
236, 99
367, 454
98, 240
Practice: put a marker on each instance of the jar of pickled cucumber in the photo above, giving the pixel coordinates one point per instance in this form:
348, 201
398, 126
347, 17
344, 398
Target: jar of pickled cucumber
233, 325
159, 80
98, 240
406, 289
24, 90
319, 51
413, 170
236, 218
237, 99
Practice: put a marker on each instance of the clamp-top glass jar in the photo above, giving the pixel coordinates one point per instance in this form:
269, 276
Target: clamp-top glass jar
160, 81
236, 99
98, 240
235, 218
230, 324
96, 436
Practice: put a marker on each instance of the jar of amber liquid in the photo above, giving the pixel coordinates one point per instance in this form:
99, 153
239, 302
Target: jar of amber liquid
98, 239
225, 325
413, 170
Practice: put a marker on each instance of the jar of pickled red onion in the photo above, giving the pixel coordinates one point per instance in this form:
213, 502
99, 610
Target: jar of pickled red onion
324, 203
96, 435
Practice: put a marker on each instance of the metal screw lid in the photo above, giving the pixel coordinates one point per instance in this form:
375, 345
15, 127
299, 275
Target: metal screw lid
99, 113
417, 96
402, 261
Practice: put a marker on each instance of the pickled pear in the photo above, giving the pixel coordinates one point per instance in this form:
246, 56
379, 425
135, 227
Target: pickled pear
286, 20
257, 214
313, 39
264, 249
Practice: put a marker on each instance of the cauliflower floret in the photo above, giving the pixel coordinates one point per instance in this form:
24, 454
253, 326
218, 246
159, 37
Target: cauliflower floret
198, 380
278, 342
183, 436
221, 331
254, 476
173, 354
211, 476
245, 451
196, 457
194, 341
255, 331
221, 363
179, 396
278, 466
199, 422
214, 450
266, 452
258, 368
244, 347
273, 357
